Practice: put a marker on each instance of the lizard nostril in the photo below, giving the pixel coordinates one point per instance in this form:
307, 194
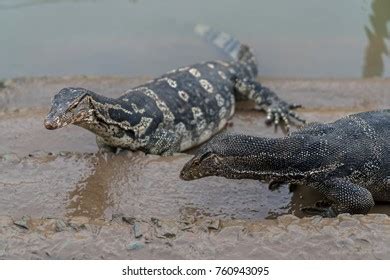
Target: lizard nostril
49, 125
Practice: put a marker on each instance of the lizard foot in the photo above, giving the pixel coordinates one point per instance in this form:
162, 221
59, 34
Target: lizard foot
323, 204
274, 185
281, 111
318, 209
278, 111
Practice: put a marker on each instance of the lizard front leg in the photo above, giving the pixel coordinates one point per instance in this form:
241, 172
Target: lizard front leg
163, 142
345, 197
265, 99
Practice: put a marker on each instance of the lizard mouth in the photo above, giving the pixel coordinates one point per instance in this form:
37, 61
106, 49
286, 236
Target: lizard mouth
55, 123
193, 170
61, 121
186, 177
187, 174
191, 177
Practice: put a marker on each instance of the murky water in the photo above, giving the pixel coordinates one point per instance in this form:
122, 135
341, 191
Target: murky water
335, 38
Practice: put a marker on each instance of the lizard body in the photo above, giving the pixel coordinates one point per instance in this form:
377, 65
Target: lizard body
348, 161
176, 111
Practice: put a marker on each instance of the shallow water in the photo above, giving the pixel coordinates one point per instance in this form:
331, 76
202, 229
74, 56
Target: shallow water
335, 38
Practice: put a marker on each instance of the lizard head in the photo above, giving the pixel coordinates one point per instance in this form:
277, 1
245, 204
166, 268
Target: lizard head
208, 161
233, 156
69, 105
202, 165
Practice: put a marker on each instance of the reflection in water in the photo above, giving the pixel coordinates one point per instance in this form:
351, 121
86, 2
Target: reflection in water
373, 62
93, 196
303, 196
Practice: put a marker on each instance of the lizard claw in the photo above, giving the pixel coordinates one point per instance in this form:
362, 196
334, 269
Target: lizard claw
281, 111
294, 106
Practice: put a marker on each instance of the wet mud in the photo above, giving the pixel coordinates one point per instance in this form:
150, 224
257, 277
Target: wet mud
61, 198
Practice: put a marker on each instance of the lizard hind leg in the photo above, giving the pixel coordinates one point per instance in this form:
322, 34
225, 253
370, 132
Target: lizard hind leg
345, 197
278, 111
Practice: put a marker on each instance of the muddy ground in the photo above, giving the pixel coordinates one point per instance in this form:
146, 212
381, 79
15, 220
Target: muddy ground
61, 199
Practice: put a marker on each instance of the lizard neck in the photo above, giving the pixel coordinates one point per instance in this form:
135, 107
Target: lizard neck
101, 99
98, 119
261, 158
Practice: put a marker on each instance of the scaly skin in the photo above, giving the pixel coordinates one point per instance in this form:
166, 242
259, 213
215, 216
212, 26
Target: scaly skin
348, 161
176, 111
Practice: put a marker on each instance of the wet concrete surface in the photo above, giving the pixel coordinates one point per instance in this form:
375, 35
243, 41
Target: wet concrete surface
287, 237
60, 198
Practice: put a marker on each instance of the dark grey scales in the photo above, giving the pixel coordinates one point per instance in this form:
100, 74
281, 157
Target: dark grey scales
348, 161
177, 111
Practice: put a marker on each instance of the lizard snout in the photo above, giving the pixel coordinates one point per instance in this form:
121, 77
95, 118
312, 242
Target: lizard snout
55, 120
187, 173
49, 124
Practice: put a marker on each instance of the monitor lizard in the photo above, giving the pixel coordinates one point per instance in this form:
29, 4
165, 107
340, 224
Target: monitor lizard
176, 111
348, 161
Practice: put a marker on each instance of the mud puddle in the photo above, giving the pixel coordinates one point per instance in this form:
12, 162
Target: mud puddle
56, 177
98, 186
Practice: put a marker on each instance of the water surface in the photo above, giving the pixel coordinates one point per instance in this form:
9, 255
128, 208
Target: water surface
308, 38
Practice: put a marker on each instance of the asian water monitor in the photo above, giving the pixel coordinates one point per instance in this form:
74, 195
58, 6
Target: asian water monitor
348, 161
176, 111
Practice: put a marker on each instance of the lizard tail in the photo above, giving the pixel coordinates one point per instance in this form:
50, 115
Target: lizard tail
229, 45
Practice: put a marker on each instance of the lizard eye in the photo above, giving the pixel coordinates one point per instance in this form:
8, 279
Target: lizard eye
204, 156
75, 103
72, 106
